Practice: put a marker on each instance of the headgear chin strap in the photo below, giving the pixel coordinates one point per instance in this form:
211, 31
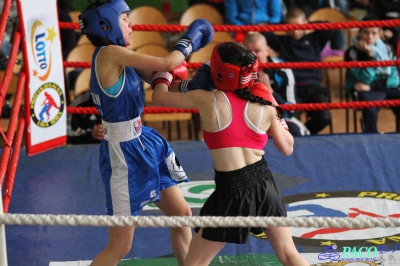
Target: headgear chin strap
103, 21
228, 76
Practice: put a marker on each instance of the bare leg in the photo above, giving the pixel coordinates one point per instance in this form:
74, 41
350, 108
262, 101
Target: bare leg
174, 204
119, 244
282, 242
202, 251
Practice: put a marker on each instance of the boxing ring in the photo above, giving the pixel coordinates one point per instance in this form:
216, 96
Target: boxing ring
354, 177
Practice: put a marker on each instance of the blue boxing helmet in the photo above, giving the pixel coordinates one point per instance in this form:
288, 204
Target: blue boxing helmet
103, 21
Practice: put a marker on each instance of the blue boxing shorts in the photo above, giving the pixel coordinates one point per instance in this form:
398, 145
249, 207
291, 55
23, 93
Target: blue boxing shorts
134, 171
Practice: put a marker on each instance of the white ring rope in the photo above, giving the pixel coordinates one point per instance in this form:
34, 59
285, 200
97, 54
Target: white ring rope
196, 221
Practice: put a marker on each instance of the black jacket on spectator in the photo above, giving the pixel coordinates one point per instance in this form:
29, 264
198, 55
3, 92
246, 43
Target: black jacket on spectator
79, 128
306, 49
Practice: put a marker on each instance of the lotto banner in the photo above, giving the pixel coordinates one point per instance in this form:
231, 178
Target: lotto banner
45, 93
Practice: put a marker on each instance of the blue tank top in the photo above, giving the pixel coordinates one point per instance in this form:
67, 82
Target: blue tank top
127, 104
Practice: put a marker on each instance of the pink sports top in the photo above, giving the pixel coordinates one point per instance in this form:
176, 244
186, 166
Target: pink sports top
240, 131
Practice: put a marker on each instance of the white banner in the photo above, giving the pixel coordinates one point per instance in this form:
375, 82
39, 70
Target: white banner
45, 99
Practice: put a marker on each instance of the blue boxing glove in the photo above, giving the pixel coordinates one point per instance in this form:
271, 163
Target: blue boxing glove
197, 35
201, 80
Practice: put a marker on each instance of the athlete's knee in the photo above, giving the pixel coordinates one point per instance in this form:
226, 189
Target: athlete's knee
119, 250
184, 211
288, 256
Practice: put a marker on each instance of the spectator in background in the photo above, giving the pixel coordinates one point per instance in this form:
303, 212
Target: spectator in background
371, 84
69, 38
311, 6
84, 128
5, 51
254, 12
8, 34
297, 46
280, 82
382, 10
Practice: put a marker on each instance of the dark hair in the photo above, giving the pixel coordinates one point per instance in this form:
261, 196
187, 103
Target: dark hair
96, 3
98, 41
370, 17
236, 54
294, 12
247, 95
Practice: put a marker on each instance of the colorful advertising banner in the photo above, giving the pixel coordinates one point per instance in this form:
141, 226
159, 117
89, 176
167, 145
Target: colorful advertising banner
45, 93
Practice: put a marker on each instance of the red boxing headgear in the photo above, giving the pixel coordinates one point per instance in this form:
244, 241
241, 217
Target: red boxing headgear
227, 76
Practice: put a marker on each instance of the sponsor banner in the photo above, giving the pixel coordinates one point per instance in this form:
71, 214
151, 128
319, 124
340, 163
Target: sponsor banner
337, 247
352, 204
45, 94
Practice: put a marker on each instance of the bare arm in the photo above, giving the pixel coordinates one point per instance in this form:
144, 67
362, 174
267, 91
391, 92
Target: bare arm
116, 57
283, 140
193, 99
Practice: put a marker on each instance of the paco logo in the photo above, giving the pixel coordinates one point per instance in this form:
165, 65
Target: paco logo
47, 105
344, 204
371, 255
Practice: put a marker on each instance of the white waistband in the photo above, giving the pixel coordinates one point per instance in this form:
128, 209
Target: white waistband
122, 131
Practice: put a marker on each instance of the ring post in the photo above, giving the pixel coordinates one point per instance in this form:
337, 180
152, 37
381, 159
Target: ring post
3, 250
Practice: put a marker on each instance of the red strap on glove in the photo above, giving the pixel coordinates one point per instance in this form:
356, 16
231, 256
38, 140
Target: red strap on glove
283, 123
161, 77
179, 73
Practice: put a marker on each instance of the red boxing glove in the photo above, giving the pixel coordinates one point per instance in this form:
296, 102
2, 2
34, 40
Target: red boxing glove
180, 72
259, 89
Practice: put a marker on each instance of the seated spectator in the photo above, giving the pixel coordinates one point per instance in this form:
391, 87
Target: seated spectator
6, 42
371, 84
309, 6
83, 128
297, 46
69, 38
238, 12
280, 82
382, 10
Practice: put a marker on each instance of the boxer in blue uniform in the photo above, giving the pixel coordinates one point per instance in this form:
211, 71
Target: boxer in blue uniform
137, 164
238, 115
